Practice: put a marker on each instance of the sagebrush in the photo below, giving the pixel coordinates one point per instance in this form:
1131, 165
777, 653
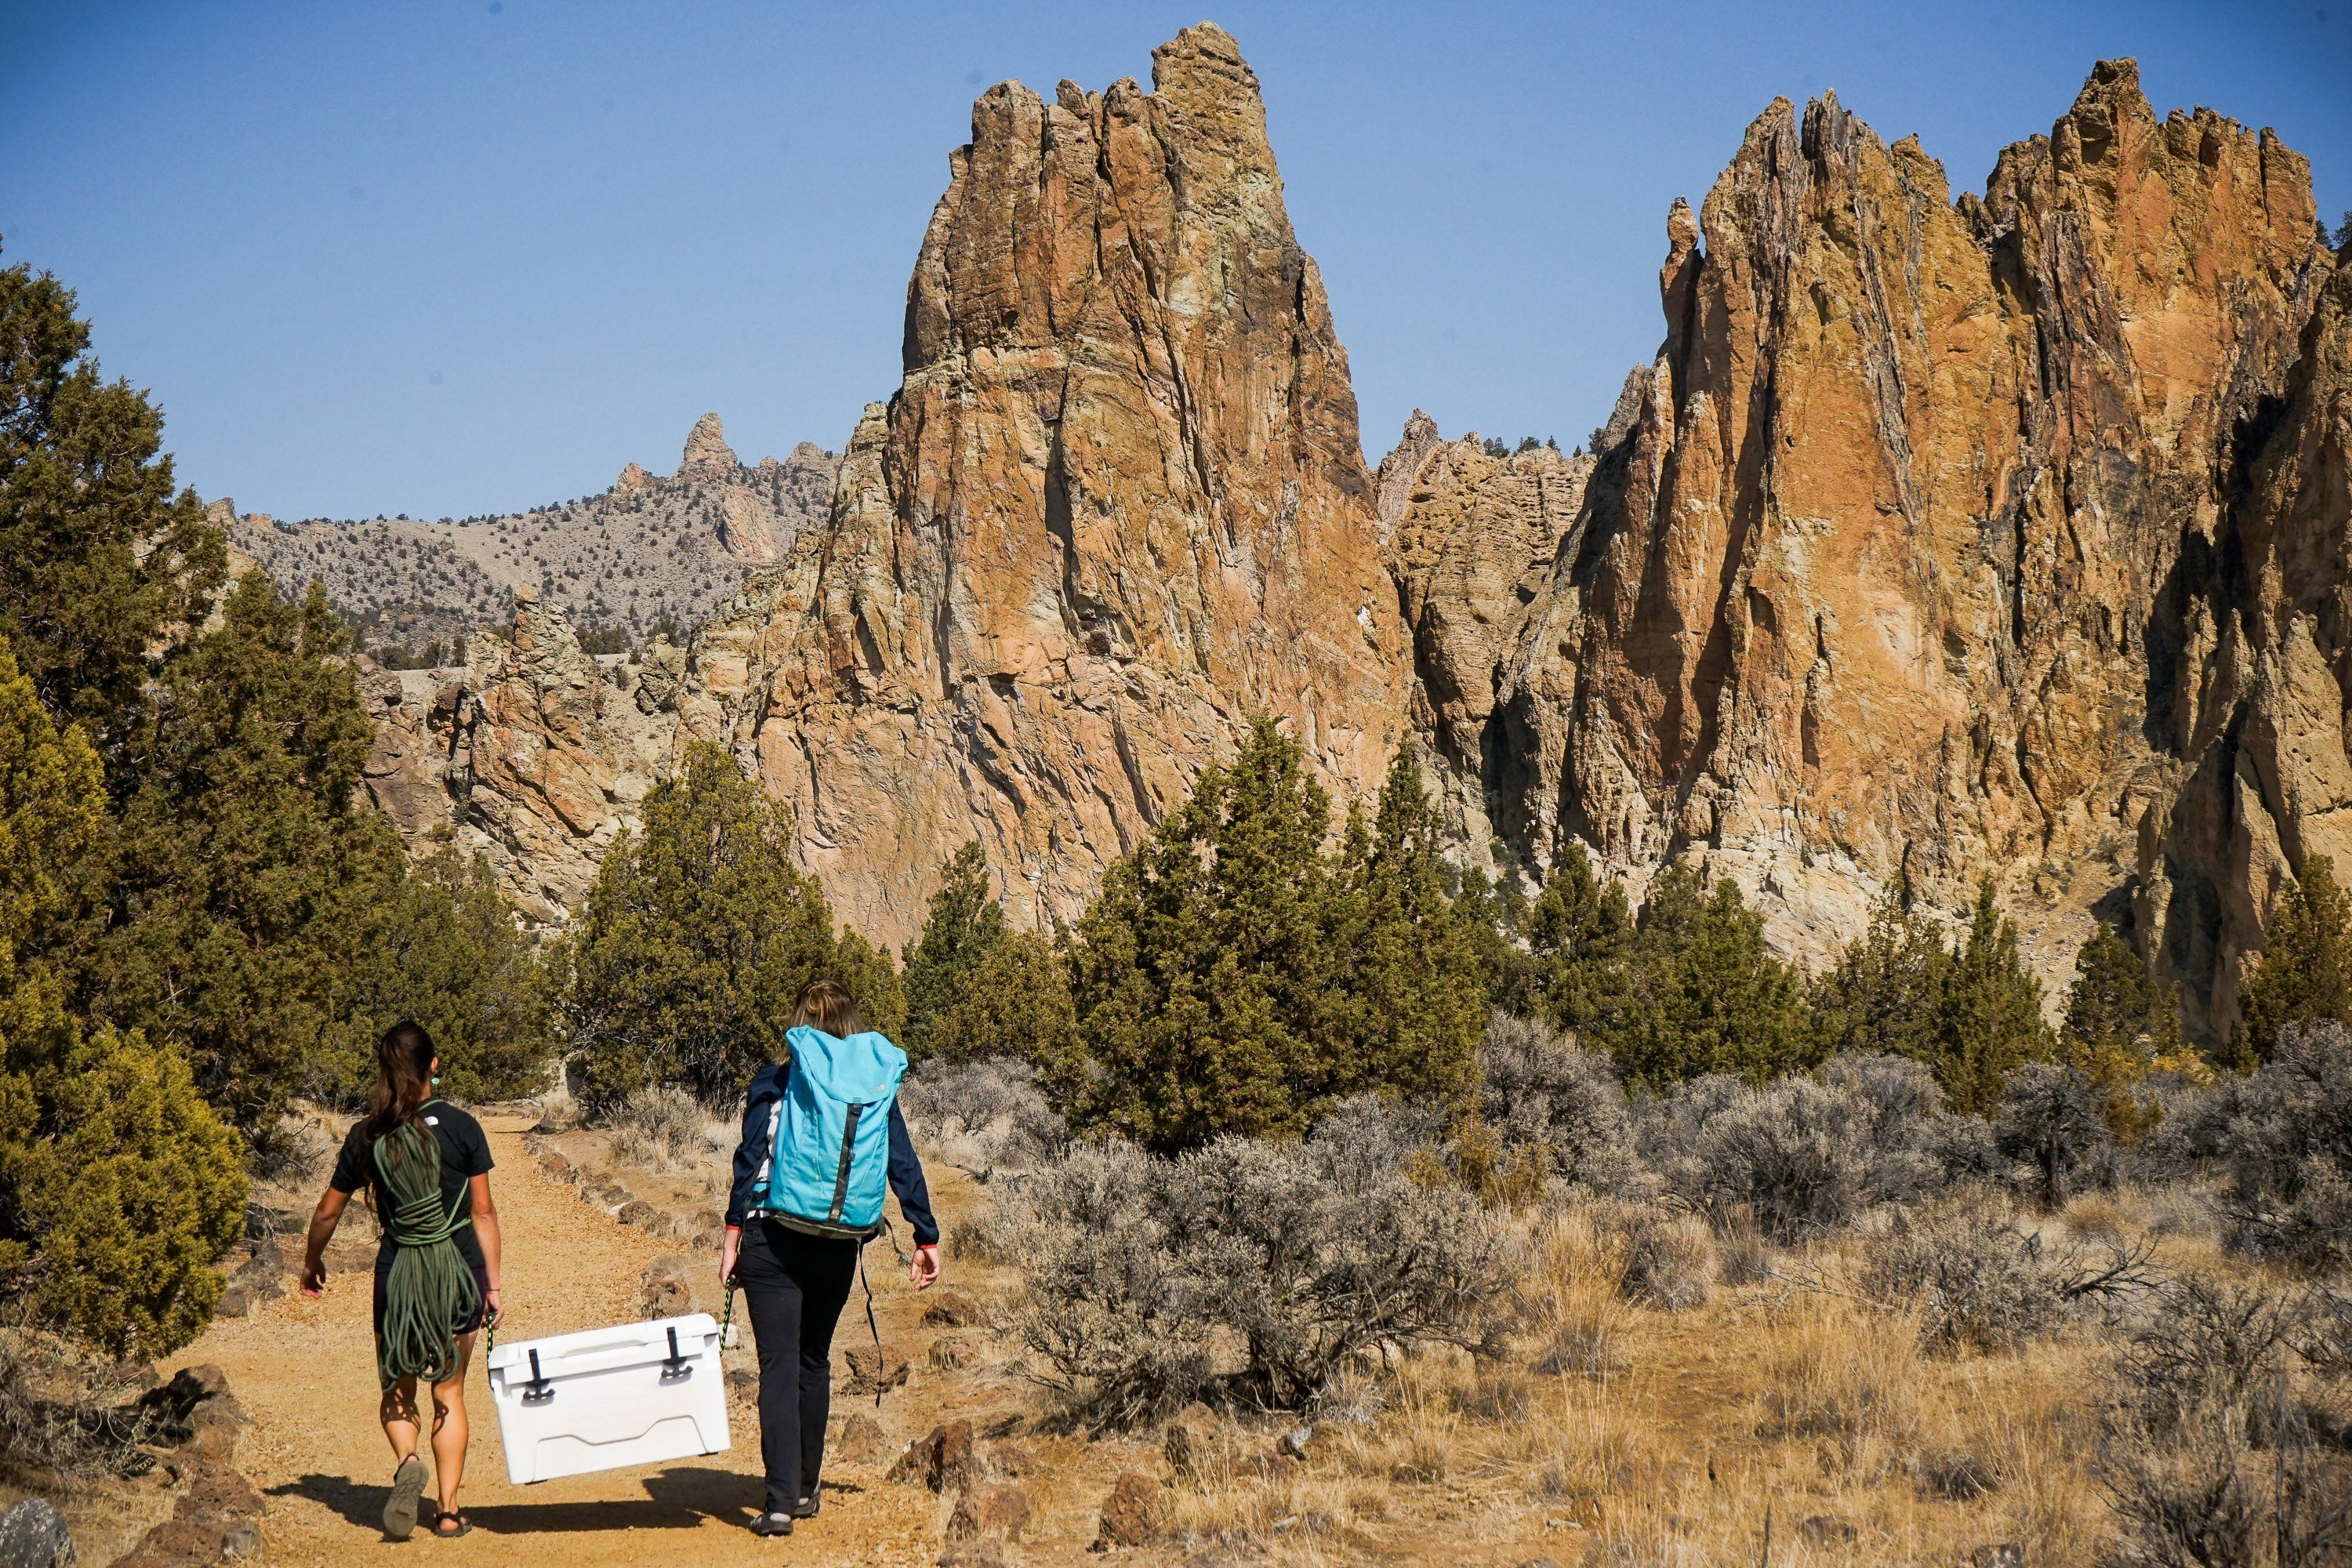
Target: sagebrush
1248, 1271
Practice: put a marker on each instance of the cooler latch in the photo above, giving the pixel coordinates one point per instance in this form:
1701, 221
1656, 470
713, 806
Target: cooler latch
537, 1391
675, 1368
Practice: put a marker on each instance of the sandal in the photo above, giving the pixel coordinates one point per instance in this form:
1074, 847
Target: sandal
400, 1508
465, 1526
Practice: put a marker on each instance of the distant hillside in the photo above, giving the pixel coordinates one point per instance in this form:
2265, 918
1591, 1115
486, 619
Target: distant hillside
648, 552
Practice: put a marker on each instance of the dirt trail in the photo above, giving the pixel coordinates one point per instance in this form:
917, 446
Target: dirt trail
306, 1371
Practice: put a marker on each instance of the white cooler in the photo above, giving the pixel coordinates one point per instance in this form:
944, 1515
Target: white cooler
635, 1395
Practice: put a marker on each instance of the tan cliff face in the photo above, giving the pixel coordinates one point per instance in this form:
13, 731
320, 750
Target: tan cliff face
1472, 539
533, 754
1941, 538
2260, 619
1875, 583
1117, 504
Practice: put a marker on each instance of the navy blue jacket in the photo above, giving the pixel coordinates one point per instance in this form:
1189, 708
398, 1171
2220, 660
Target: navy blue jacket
906, 1171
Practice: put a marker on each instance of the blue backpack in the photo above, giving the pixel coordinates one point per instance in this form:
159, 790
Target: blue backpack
829, 1163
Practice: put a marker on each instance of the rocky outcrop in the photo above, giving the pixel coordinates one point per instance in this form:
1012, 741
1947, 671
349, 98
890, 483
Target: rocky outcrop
2260, 683
533, 753
218, 1516
1395, 482
1117, 504
1940, 537
1874, 580
1471, 548
708, 456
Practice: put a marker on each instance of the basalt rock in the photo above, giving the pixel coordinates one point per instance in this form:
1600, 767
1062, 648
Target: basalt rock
1882, 569
219, 1514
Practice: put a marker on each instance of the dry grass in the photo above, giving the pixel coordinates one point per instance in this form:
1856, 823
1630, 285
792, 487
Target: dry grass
1617, 1433
664, 1130
1614, 1432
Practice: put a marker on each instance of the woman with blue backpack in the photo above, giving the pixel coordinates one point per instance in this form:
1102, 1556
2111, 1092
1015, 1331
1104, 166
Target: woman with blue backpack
822, 1139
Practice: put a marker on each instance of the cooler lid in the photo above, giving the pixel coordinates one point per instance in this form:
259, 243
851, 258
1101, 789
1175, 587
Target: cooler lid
604, 1350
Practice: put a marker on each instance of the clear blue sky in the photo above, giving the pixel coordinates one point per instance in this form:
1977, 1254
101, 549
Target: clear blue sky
444, 259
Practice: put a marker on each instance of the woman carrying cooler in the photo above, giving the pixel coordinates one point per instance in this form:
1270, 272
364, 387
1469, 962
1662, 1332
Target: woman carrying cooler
808, 1194
427, 1167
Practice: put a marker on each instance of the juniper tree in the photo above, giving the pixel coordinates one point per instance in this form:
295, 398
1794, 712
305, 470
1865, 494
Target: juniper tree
1708, 994
695, 939
443, 948
1012, 1000
117, 1184
99, 555
1885, 994
251, 868
1581, 937
1202, 971
1989, 1020
1412, 965
2119, 1024
2304, 972
963, 924
1498, 925
1233, 977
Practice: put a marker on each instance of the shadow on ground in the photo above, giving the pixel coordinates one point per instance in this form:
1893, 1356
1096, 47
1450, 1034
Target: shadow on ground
678, 1498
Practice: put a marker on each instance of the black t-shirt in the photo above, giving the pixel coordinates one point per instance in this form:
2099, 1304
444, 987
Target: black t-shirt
465, 1154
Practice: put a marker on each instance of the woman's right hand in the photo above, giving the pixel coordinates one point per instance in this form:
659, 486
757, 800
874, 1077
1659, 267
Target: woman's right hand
727, 1254
314, 1278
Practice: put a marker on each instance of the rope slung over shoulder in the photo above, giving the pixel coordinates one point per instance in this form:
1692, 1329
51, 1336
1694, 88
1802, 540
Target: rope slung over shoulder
428, 1290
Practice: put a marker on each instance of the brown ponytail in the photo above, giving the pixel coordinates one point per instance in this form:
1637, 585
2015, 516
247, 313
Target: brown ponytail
825, 1004
404, 1079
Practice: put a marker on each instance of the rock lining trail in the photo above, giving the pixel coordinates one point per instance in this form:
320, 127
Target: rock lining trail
305, 1371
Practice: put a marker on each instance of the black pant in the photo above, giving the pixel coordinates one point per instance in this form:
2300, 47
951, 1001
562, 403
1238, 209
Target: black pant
794, 1287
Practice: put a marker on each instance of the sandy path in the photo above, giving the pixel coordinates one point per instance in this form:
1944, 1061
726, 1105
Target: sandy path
306, 1371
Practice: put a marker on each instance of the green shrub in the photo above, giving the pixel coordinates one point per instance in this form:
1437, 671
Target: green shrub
117, 1184
122, 1187
249, 878
2305, 973
1013, 1001
98, 556
444, 950
963, 924
1708, 995
1970, 1013
696, 939
1233, 976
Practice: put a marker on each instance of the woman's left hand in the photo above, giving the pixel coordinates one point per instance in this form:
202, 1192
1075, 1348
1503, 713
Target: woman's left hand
491, 1310
925, 1270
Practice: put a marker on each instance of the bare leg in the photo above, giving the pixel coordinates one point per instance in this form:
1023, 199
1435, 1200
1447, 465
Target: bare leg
449, 1429
398, 1414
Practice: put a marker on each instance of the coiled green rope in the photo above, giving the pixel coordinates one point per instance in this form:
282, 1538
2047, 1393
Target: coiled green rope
428, 1290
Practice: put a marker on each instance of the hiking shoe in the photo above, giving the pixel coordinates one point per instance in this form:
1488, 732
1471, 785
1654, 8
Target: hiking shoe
773, 1524
400, 1508
806, 1507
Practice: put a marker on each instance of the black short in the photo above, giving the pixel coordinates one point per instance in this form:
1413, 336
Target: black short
481, 1294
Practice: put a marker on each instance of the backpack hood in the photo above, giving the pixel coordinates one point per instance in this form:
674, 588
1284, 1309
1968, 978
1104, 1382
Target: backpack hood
861, 1069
